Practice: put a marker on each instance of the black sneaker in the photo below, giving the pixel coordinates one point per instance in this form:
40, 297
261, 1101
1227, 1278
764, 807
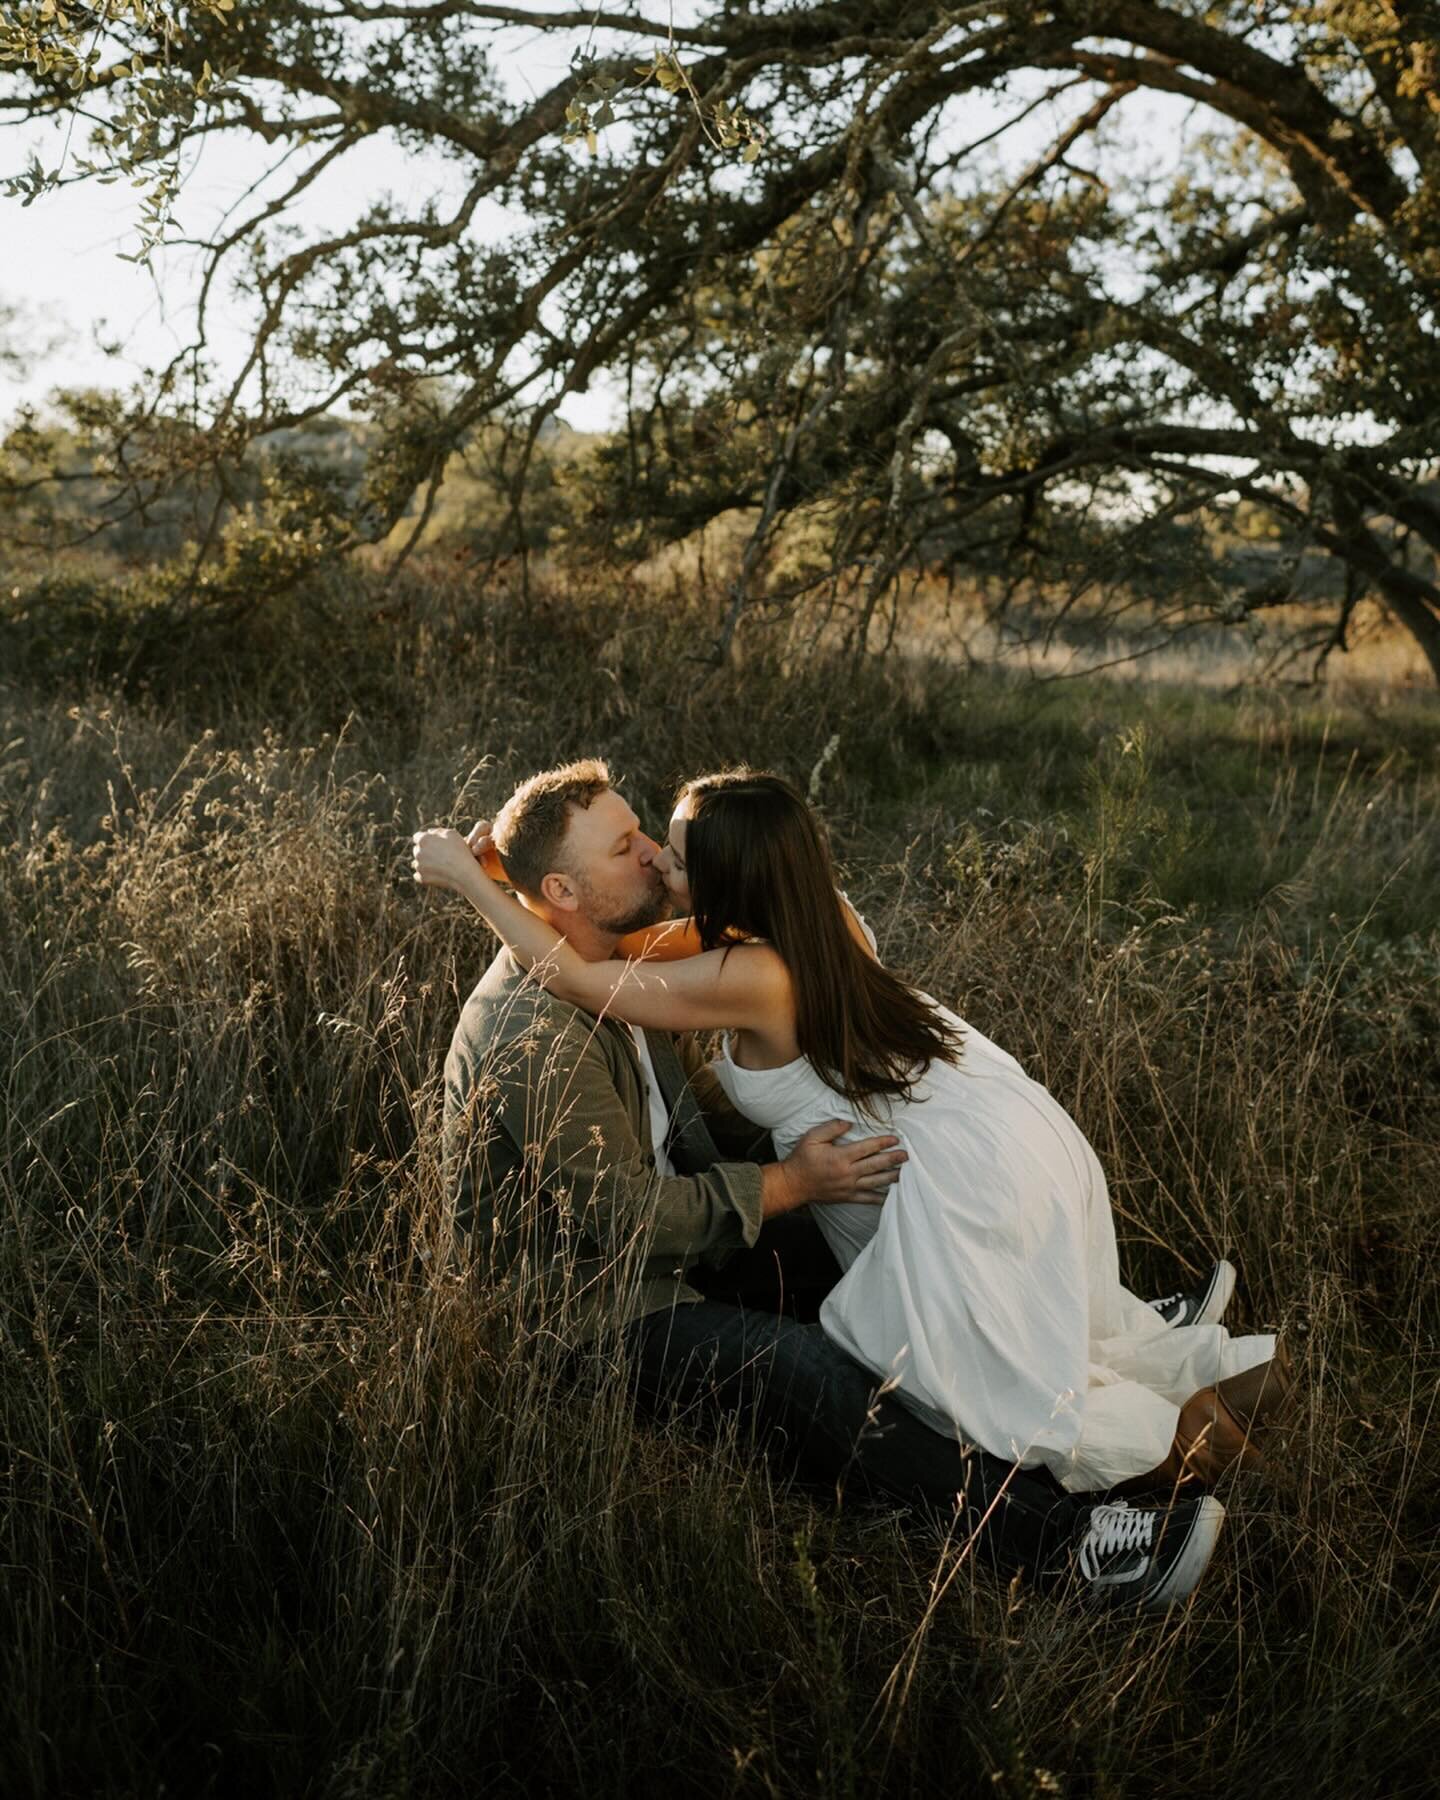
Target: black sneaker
1203, 1305
1147, 1556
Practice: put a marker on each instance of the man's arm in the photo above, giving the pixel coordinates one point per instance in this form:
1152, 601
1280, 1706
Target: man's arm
553, 1094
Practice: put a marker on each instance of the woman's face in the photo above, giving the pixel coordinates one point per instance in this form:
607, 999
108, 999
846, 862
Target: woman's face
671, 858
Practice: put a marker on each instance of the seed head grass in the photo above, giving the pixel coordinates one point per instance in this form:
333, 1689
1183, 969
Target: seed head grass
297, 1502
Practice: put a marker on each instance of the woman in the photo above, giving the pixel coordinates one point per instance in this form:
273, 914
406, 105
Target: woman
986, 1290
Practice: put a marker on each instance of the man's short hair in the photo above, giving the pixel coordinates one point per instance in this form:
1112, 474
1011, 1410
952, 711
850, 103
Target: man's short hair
530, 827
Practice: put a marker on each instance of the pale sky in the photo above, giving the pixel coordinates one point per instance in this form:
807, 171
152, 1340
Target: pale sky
104, 320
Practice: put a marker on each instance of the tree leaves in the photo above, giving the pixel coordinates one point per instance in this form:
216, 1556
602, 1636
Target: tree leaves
1012, 350
64, 51
727, 126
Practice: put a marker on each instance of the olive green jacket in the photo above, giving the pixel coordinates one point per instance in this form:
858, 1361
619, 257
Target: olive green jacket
551, 1169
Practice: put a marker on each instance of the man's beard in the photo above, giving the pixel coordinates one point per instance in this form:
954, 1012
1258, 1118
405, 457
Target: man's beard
646, 912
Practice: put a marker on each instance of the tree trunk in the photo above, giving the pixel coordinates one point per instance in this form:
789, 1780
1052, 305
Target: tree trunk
1412, 600
1415, 615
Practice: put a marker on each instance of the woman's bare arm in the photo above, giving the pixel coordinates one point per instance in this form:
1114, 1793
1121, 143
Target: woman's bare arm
662, 943
675, 938
747, 988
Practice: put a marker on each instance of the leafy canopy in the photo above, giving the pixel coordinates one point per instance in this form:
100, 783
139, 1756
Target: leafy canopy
1082, 296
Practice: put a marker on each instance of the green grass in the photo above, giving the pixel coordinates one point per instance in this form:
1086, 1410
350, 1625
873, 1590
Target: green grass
288, 1510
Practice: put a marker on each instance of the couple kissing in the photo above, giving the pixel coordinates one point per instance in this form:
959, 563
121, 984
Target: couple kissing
861, 1226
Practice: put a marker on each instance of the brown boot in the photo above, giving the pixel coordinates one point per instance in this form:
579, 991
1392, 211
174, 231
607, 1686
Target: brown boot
1261, 1396
1212, 1439
1209, 1440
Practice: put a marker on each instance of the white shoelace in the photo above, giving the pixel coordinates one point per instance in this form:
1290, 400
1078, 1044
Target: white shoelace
1115, 1525
1169, 1301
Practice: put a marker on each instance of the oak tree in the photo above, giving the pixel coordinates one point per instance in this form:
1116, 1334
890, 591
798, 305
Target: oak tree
908, 271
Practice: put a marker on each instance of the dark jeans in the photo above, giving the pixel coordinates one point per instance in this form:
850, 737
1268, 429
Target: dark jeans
788, 1269
814, 1408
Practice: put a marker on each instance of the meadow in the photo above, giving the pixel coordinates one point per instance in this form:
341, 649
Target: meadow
291, 1503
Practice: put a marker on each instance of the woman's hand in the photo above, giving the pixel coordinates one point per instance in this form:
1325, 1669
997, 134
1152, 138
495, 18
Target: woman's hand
442, 858
482, 848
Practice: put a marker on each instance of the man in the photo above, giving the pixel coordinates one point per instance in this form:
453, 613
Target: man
603, 1189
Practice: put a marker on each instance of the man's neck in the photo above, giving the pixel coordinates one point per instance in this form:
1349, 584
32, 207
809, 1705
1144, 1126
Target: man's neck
584, 939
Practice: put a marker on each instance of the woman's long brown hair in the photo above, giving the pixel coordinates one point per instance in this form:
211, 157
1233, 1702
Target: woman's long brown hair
758, 867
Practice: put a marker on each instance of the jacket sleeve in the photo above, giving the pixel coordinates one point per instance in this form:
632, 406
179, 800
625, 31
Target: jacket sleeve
554, 1096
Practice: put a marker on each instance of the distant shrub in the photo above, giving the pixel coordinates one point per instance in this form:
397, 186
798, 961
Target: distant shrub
87, 625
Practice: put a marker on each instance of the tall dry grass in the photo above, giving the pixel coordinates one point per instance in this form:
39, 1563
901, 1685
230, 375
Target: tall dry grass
292, 1506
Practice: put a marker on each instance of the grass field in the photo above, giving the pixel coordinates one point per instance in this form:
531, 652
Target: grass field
290, 1510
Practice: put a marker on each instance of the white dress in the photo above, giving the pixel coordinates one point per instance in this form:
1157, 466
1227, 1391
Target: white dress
986, 1289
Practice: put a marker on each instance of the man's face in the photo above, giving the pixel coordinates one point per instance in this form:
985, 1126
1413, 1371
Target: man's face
612, 863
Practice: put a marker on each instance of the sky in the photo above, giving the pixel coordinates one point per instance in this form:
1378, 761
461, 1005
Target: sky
86, 317
98, 320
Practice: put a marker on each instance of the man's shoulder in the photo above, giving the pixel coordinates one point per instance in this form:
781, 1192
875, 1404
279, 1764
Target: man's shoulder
504, 1005
505, 1010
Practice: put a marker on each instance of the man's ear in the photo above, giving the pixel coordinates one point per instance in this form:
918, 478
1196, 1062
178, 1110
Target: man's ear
559, 891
